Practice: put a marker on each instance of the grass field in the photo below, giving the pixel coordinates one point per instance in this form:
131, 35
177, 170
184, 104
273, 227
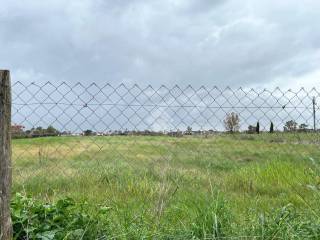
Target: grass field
260, 186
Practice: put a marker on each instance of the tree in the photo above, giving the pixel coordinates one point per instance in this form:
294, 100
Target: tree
51, 130
17, 129
290, 126
271, 127
88, 132
232, 122
189, 130
258, 127
38, 131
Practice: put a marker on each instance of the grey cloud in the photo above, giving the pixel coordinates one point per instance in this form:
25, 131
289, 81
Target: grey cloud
160, 42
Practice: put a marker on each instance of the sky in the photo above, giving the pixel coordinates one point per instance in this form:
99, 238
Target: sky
249, 43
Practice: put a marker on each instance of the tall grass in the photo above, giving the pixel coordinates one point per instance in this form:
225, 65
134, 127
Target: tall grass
220, 187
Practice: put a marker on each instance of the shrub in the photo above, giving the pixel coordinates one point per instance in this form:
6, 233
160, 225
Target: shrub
61, 220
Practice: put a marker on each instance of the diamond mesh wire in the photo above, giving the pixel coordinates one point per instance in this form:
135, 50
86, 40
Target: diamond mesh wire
105, 111
63, 131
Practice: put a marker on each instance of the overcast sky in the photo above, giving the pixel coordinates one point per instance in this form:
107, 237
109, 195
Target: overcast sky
263, 43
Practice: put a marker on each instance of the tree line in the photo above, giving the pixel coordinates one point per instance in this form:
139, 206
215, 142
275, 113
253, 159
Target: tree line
232, 125
18, 131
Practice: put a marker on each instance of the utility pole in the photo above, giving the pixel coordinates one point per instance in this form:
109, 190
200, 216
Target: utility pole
314, 113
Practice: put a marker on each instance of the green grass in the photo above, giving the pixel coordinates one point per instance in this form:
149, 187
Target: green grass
177, 188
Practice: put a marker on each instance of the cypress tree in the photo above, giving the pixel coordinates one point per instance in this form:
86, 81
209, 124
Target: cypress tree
258, 128
271, 127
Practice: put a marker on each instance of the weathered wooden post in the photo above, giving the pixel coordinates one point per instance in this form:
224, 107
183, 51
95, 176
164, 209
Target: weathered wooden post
5, 156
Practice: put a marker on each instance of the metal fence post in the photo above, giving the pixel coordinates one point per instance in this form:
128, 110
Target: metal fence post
5, 156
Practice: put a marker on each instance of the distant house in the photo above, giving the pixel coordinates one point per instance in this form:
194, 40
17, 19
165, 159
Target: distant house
65, 133
175, 133
17, 130
197, 132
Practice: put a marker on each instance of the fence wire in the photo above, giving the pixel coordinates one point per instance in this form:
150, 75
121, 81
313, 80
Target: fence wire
105, 141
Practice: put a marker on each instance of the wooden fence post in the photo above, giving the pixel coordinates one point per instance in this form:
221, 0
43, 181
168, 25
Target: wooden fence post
5, 156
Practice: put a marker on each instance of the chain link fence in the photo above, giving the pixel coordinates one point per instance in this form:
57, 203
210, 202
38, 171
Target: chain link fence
74, 108
149, 146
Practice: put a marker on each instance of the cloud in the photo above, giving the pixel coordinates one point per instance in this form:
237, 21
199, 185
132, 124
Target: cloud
247, 43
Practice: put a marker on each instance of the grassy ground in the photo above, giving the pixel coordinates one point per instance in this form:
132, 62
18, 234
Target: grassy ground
188, 187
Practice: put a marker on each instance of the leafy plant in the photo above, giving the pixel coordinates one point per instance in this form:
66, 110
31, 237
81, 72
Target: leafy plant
61, 220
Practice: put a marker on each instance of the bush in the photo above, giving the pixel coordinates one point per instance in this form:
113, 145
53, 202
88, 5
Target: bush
61, 220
